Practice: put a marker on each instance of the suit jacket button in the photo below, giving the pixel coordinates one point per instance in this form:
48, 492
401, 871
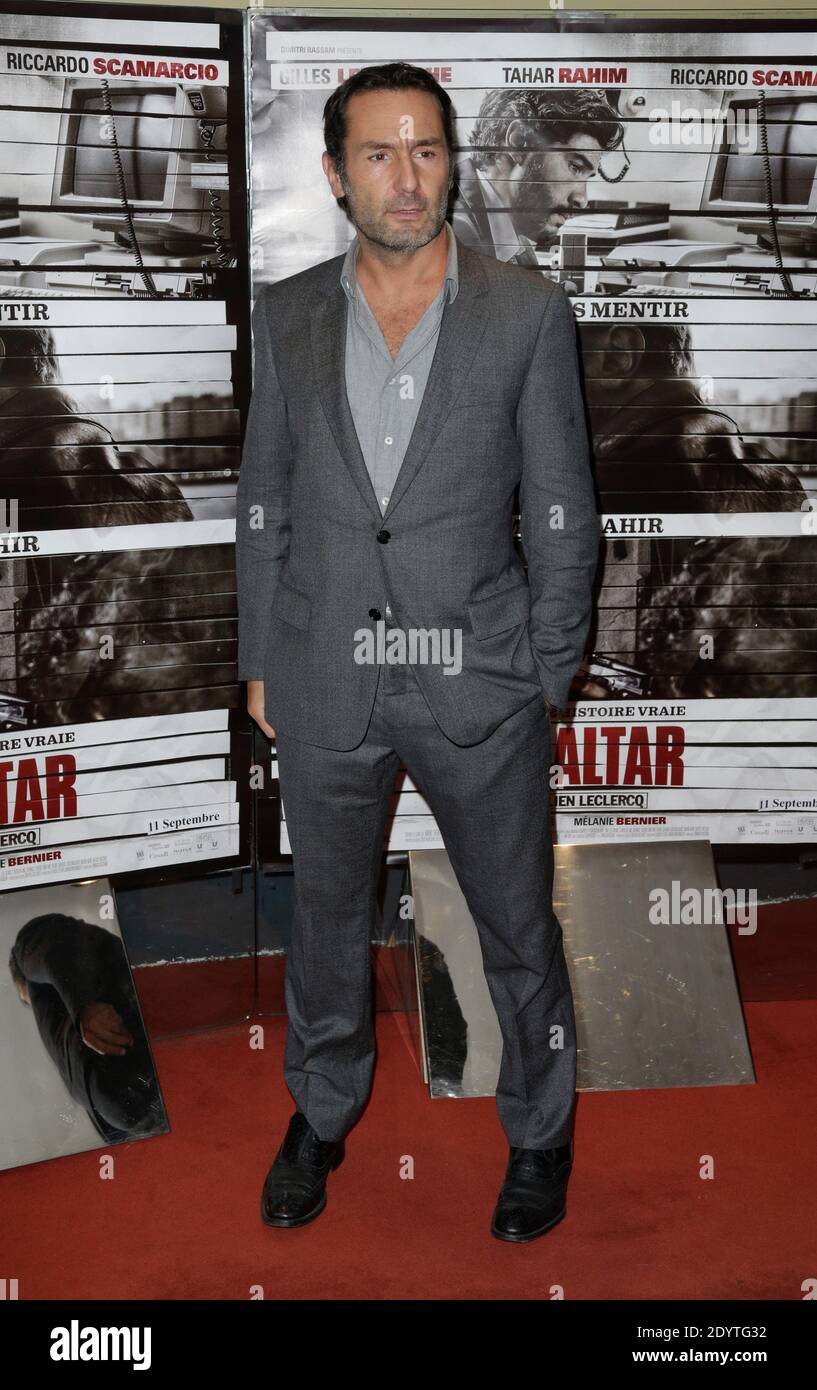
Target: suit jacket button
384, 536
375, 613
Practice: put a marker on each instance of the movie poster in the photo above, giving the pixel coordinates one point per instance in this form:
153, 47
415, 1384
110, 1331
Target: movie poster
123, 373
668, 182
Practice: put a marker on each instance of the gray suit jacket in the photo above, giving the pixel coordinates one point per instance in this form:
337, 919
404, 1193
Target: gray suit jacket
317, 560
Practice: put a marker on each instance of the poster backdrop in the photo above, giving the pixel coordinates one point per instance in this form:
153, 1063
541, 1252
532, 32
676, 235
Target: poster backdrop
670, 186
122, 332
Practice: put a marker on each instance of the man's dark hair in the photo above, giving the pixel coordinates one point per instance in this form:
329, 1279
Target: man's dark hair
30, 357
391, 77
557, 115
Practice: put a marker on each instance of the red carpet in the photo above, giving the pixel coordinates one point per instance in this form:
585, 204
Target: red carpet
180, 1219
779, 960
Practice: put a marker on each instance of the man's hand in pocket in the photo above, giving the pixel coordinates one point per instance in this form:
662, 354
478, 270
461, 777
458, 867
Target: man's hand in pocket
255, 706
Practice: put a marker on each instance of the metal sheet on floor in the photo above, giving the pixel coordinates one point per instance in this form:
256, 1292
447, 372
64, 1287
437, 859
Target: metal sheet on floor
656, 1003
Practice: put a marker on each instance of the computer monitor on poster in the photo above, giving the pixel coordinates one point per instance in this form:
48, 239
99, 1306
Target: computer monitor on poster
165, 146
737, 185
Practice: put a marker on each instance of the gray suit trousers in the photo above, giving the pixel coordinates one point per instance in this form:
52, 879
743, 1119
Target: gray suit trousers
490, 801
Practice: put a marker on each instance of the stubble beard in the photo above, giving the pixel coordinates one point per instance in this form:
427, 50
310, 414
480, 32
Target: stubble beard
377, 230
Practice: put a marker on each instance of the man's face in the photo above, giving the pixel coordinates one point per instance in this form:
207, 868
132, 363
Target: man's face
549, 184
397, 177
612, 356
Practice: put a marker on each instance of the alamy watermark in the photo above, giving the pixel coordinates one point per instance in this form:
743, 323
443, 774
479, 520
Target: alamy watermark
82, 1343
682, 126
423, 646
695, 907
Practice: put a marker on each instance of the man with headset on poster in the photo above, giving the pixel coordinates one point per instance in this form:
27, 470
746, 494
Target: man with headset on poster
406, 393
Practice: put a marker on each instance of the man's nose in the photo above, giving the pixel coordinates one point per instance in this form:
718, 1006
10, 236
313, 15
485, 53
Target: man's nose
577, 197
406, 176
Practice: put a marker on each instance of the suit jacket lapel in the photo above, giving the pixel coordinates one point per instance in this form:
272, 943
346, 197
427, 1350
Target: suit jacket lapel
463, 323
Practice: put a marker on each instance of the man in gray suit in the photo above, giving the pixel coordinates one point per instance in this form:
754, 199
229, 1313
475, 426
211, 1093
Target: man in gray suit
405, 393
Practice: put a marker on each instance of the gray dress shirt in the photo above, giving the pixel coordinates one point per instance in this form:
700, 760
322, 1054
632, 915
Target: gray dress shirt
385, 393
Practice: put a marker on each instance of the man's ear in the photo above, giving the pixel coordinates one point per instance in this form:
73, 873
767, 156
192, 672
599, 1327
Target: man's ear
516, 140
625, 347
331, 173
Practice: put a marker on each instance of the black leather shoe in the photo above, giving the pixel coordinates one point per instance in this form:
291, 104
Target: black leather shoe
533, 1195
295, 1186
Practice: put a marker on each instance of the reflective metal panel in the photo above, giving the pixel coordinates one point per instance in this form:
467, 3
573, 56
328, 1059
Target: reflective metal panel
76, 1067
656, 1000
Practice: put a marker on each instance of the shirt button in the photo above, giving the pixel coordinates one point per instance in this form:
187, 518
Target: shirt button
385, 501
388, 439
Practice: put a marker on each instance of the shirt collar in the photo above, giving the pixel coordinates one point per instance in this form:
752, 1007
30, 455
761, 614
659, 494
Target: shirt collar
452, 282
